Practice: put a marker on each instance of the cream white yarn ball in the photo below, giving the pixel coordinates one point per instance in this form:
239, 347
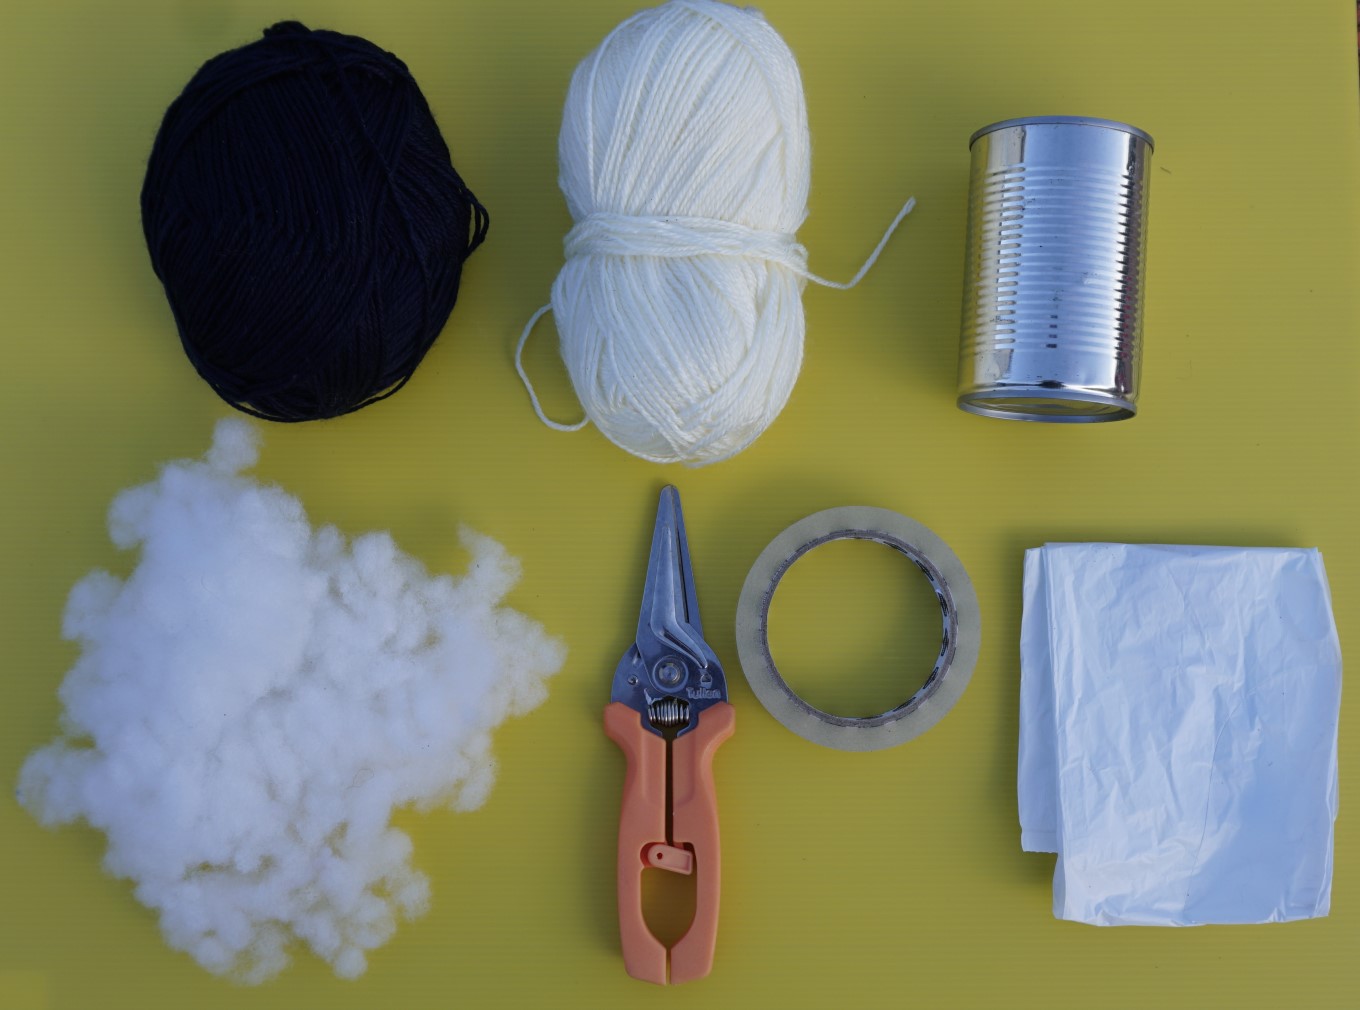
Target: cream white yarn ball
684, 158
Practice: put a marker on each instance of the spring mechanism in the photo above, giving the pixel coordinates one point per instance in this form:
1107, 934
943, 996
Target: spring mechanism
665, 712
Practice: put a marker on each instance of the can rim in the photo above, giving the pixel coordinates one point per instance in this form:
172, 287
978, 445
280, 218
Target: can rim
987, 403
1106, 124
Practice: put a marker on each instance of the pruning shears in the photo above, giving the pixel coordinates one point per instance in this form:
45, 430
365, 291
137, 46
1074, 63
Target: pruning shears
668, 711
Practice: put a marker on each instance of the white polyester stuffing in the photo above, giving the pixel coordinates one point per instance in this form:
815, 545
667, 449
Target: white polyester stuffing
252, 703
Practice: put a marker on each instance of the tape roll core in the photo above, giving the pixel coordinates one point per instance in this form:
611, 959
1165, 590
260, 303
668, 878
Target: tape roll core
961, 636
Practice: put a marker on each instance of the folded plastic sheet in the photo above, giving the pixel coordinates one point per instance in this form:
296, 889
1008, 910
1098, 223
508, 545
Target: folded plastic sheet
1178, 731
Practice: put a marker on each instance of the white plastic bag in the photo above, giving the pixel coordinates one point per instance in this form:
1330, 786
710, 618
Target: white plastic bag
1178, 731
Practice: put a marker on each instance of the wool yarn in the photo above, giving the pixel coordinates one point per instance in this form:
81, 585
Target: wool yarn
684, 157
305, 219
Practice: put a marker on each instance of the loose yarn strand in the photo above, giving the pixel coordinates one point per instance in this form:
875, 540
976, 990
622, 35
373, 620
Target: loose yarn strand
529, 386
873, 256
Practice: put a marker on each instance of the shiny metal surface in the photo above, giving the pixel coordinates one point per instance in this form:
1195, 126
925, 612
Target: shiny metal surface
1053, 278
670, 673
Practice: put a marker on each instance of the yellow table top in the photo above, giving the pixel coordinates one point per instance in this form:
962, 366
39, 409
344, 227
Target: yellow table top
849, 878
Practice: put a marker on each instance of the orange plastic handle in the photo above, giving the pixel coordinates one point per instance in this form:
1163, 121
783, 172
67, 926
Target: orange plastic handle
694, 823
642, 821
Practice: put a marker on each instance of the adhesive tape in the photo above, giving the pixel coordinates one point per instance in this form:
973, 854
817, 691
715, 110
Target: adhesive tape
960, 640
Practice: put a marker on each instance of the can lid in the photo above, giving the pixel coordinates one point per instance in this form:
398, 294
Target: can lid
1107, 124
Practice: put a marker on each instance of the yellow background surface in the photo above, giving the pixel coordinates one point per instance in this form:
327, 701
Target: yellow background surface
892, 878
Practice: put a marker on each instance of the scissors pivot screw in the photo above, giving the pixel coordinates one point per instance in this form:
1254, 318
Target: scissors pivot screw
668, 673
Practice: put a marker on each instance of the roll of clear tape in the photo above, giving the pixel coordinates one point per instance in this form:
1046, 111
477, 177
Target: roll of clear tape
961, 636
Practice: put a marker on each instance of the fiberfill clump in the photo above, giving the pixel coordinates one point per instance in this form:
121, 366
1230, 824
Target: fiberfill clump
255, 699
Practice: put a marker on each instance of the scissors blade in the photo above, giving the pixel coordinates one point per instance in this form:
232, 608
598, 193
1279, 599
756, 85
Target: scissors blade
670, 608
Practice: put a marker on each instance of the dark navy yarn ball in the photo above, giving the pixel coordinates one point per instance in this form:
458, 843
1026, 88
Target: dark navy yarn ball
303, 214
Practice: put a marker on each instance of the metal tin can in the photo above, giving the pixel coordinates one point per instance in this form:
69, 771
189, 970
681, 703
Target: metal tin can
1053, 280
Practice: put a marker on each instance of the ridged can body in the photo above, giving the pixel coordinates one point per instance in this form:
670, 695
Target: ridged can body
1053, 279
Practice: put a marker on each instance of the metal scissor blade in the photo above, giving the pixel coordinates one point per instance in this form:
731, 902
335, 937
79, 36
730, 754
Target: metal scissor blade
670, 608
